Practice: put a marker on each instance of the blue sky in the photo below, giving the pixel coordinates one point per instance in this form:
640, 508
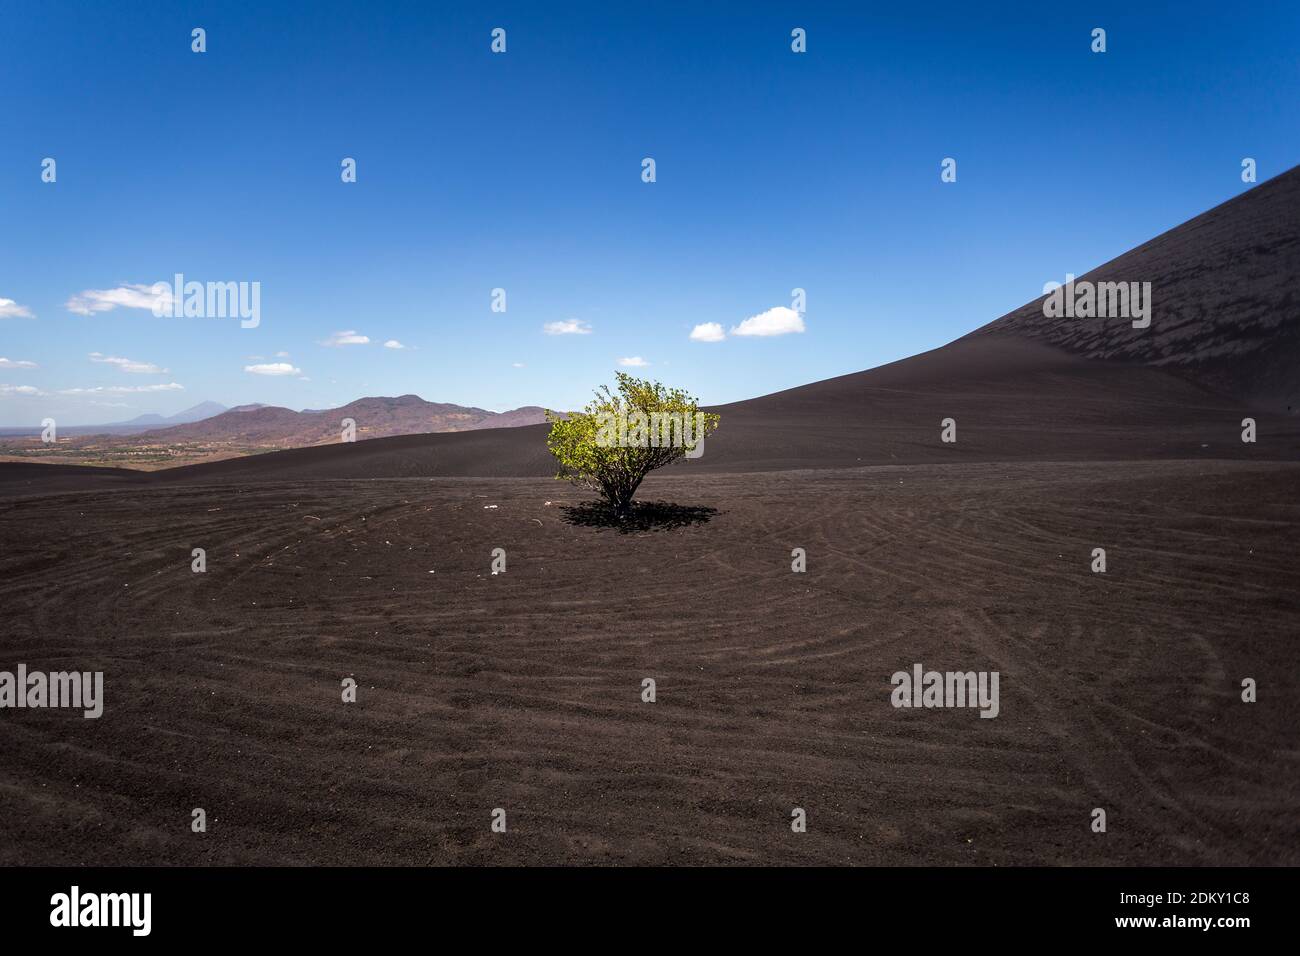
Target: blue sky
522, 171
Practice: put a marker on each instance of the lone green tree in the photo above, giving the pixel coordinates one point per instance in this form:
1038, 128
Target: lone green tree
624, 434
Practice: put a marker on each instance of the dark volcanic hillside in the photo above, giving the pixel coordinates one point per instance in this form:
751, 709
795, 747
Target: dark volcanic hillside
1226, 313
1012, 399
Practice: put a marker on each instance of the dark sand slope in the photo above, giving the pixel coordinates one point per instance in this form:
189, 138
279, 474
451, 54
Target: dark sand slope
30, 478
1227, 310
522, 691
1012, 399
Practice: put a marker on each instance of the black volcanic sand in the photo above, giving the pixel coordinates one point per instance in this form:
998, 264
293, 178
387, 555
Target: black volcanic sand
522, 690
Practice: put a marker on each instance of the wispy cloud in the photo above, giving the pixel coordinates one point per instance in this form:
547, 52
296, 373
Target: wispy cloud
274, 368
781, 320
516, 364
9, 309
15, 363
128, 365
20, 390
708, 332
393, 344
567, 327
635, 361
122, 389
350, 337
130, 296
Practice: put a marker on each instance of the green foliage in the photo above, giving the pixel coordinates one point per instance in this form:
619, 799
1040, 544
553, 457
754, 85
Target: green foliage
621, 436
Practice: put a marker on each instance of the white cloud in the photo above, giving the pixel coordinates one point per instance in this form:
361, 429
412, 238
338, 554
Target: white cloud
708, 332
778, 321
393, 344
130, 296
9, 309
128, 365
281, 354
350, 337
19, 390
516, 364
567, 327
122, 389
635, 361
275, 368
15, 363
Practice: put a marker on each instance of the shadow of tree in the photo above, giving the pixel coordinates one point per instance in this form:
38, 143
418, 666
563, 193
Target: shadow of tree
645, 516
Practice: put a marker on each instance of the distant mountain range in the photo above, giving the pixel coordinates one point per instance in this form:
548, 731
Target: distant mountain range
195, 413
210, 432
376, 417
